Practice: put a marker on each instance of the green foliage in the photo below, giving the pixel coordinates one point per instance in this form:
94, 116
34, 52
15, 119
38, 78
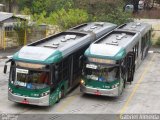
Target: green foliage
26, 11
40, 18
20, 29
68, 18
59, 4
109, 12
38, 6
68, 13
117, 16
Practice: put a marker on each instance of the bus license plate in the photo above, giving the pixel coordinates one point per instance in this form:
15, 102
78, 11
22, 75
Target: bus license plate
25, 102
97, 92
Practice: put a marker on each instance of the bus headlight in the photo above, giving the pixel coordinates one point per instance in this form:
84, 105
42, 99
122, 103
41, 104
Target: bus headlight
45, 94
82, 82
114, 86
10, 90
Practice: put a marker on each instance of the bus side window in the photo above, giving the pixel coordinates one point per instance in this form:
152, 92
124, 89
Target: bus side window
149, 37
122, 69
56, 73
65, 69
137, 45
53, 74
62, 70
142, 44
136, 50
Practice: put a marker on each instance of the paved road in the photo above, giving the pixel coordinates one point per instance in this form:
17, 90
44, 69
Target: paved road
142, 96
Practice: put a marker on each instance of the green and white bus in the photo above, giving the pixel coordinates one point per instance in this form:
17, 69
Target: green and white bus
42, 72
111, 61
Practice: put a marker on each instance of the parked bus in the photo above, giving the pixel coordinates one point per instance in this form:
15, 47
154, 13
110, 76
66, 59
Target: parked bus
42, 72
111, 61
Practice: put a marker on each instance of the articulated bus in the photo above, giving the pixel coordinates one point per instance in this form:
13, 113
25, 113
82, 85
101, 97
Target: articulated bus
111, 61
42, 72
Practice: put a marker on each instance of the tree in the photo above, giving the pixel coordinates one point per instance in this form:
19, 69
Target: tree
68, 18
105, 10
10, 4
20, 28
135, 4
39, 6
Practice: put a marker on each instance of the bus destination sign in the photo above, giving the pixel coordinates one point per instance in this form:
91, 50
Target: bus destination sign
105, 61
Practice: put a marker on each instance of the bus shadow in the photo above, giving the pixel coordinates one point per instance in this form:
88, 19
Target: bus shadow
26, 107
100, 98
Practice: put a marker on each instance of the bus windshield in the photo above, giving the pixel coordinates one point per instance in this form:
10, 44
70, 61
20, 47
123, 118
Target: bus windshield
102, 73
30, 79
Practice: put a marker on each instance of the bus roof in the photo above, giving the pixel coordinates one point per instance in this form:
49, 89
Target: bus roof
136, 26
56, 47
117, 43
98, 28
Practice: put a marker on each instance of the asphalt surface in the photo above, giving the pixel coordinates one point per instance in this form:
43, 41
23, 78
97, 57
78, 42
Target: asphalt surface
7, 52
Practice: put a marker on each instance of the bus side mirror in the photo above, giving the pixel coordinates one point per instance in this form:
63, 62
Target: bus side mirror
5, 66
5, 69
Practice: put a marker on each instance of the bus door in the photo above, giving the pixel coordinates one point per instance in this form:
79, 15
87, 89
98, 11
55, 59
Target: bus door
75, 73
130, 66
76, 67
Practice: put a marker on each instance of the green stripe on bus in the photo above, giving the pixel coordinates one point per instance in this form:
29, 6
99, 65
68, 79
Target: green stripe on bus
54, 58
120, 55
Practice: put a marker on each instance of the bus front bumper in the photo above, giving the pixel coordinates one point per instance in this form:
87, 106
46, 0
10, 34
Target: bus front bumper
42, 101
97, 91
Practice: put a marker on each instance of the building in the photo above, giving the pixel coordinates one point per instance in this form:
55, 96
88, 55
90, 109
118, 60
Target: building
7, 22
